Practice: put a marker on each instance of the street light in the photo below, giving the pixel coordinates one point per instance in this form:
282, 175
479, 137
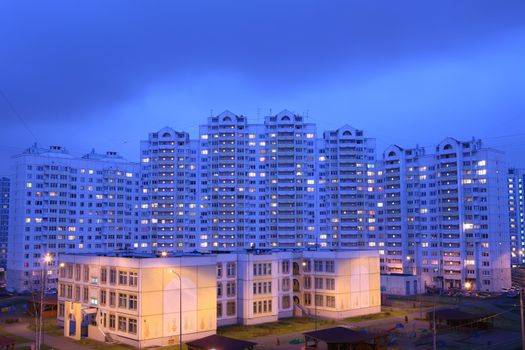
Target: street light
180, 307
39, 327
164, 254
468, 285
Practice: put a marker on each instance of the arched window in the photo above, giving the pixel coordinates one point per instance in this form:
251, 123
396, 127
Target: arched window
166, 134
447, 146
285, 118
227, 119
392, 154
347, 133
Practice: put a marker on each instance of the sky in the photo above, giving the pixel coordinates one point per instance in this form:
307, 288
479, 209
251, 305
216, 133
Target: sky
102, 74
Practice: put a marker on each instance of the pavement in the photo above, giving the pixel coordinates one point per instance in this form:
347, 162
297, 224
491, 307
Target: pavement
56, 342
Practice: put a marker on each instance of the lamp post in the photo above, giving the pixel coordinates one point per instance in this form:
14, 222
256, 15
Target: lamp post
39, 326
165, 254
180, 308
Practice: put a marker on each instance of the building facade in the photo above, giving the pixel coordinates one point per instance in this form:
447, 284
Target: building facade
134, 299
445, 215
516, 181
4, 220
60, 203
440, 213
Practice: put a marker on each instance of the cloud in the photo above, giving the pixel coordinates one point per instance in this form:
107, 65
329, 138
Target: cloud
63, 59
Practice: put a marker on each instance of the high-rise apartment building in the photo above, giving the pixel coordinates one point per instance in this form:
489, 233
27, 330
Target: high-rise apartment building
442, 214
516, 181
61, 203
445, 215
4, 219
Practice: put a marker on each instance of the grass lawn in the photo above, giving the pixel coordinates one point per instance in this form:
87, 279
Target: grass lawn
50, 327
379, 316
290, 325
296, 324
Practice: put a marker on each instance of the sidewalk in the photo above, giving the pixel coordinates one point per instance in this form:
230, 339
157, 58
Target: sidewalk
56, 342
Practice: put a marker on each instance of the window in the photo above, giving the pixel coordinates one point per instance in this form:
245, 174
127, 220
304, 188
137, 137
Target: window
219, 289
86, 273
132, 326
103, 275
318, 265
77, 272
122, 324
318, 283
103, 296
112, 297
318, 300
219, 270
286, 302
122, 277
230, 308
307, 283
112, 321
61, 310
329, 266
133, 279
286, 284
85, 295
219, 309
307, 299
122, 300
330, 301
230, 269
132, 302
112, 276
286, 266
230, 289
330, 283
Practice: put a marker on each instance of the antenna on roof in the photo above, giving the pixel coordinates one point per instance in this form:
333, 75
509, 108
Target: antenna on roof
270, 111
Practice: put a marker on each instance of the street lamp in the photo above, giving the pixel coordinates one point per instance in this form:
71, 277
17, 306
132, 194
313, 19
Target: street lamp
39, 327
164, 254
468, 285
180, 307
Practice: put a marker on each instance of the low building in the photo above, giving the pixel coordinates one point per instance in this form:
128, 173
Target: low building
401, 284
134, 299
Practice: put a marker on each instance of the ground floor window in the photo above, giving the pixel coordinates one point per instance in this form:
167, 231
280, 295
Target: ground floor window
122, 324
330, 301
219, 309
132, 326
230, 308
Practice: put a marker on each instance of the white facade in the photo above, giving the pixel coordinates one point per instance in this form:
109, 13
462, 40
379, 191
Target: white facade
445, 215
516, 181
442, 215
135, 299
61, 203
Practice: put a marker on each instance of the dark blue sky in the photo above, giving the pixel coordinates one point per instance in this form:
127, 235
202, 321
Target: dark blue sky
104, 73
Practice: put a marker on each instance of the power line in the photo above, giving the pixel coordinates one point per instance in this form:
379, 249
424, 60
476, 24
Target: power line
15, 112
